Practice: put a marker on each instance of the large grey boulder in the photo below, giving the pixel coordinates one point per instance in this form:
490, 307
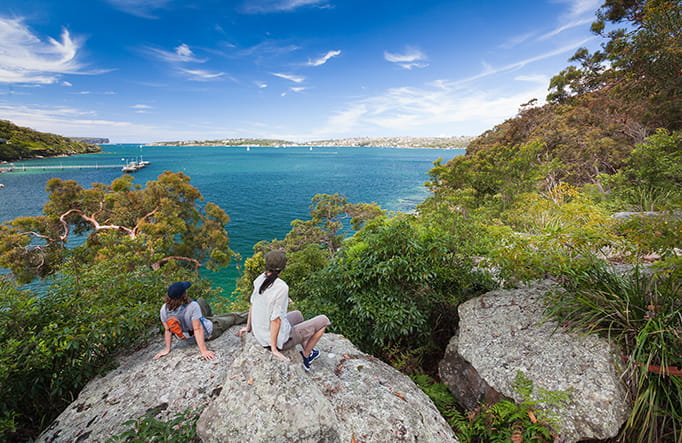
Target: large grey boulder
502, 332
249, 395
348, 396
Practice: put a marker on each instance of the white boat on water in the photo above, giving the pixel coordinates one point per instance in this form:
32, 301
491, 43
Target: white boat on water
130, 167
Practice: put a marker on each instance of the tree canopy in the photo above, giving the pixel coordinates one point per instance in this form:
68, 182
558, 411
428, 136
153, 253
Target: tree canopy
161, 222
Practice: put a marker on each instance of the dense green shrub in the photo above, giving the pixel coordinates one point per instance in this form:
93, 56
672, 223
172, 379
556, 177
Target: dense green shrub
652, 178
395, 284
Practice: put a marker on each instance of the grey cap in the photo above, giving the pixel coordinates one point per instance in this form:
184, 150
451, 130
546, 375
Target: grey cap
275, 260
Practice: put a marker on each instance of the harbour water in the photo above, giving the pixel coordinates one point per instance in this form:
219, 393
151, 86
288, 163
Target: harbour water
262, 189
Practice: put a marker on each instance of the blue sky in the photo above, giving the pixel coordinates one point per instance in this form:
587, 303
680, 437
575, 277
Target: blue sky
154, 70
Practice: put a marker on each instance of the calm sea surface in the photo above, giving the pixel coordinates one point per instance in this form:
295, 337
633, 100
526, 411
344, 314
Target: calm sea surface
262, 189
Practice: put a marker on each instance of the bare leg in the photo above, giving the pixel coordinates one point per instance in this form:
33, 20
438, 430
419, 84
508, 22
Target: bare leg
312, 341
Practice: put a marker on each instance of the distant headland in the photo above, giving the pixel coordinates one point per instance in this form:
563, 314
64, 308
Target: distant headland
91, 140
457, 142
20, 143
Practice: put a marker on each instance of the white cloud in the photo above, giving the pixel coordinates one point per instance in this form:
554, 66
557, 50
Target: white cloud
490, 70
265, 6
65, 83
409, 109
536, 78
564, 27
290, 77
517, 40
201, 75
140, 8
269, 47
324, 59
141, 107
411, 58
577, 8
24, 58
298, 89
261, 85
180, 54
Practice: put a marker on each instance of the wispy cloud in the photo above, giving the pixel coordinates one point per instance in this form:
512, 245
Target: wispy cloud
579, 8
180, 54
68, 121
141, 109
490, 70
323, 59
140, 8
24, 58
517, 40
579, 13
409, 109
290, 77
266, 6
410, 58
564, 27
535, 78
269, 47
202, 75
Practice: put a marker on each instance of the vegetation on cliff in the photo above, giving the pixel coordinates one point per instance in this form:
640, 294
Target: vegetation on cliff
18, 143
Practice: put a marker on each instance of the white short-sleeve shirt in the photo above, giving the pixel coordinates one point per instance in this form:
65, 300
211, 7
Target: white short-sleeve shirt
268, 306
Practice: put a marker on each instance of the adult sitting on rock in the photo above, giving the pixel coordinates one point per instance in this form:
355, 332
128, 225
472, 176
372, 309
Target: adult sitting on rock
187, 318
272, 325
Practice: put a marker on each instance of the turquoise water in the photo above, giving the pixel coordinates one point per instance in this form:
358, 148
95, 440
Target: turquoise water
262, 189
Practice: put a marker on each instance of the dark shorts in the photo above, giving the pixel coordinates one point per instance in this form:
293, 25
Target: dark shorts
301, 330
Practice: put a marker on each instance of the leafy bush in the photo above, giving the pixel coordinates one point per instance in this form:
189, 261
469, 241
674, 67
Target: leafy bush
180, 429
504, 421
394, 284
652, 179
641, 312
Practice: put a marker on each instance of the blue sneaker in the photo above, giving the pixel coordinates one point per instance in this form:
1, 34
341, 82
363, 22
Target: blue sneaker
307, 360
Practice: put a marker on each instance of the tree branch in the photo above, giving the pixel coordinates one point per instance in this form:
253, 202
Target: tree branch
157, 264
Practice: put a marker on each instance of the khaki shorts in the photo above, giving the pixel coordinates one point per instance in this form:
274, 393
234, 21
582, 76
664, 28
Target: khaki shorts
301, 330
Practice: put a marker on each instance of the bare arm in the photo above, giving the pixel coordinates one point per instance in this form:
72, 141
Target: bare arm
201, 341
274, 332
246, 328
167, 337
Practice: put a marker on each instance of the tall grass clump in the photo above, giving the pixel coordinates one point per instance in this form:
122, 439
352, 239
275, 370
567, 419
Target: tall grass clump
640, 311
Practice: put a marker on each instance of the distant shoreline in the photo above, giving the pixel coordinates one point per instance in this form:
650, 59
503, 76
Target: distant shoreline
459, 142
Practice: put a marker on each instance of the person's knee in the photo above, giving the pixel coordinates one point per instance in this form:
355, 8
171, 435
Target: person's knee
324, 321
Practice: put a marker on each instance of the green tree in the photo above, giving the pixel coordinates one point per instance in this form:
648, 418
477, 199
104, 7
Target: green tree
155, 224
639, 62
309, 244
652, 178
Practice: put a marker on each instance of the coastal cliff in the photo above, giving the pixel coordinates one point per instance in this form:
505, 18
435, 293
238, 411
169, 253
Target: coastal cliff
18, 143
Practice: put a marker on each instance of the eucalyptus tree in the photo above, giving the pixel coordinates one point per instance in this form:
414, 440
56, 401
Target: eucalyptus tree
161, 222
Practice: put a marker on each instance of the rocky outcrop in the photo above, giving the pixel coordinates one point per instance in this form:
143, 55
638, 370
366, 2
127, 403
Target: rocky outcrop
249, 395
502, 332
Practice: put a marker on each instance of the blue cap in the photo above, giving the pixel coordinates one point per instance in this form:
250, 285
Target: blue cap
178, 288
